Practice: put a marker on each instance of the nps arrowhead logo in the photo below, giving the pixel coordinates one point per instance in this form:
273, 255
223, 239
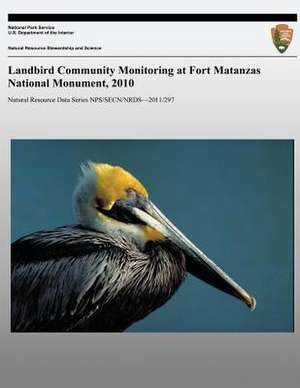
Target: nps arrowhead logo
282, 36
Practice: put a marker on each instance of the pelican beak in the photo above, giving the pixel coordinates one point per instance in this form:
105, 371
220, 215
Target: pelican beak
198, 263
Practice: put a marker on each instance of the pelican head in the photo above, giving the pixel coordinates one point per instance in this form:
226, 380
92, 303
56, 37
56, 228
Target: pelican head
111, 200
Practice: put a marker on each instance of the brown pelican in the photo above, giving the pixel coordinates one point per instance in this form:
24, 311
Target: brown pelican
122, 260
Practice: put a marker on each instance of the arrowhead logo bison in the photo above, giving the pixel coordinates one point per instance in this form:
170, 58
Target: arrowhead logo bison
282, 36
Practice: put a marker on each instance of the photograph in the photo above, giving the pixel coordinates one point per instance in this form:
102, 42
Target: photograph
152, 235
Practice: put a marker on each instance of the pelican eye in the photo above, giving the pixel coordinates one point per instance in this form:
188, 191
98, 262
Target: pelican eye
131, 193
121, 210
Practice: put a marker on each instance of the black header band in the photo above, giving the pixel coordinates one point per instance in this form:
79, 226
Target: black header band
152, 17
